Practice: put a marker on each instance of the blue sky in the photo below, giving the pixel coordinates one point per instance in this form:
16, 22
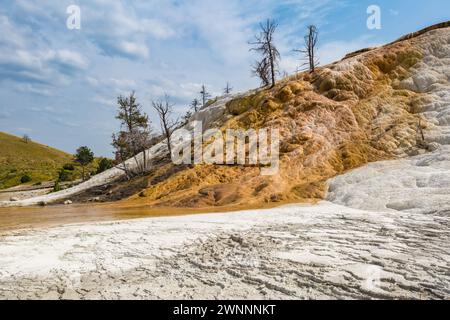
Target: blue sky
59, 86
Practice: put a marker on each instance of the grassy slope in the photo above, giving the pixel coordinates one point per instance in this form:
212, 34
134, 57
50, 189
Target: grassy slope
18, 158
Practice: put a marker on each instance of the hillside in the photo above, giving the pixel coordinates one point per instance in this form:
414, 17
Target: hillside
373, 105
383, 103
18, 158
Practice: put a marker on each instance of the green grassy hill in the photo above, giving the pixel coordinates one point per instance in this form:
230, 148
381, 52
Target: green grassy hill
19, 158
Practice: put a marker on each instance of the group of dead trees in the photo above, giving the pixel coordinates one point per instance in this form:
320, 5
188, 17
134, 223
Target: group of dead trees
196, 104
202, 101
266, 68
135, 138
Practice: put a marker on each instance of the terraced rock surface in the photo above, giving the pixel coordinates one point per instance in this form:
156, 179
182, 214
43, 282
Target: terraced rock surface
371, 106
383, 233
294, 252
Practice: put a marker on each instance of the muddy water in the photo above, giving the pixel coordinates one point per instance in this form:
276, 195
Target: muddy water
37, 217
16, 218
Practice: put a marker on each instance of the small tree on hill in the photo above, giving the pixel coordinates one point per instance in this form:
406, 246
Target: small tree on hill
104, 165
134, 136
195, 104
264, 44
309, 50
227, 89
186, 117
122, 151
84, 157
26, 138
205, 95
168, 125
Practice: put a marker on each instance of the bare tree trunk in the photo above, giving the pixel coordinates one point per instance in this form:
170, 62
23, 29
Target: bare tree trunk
272, 64
312, 66
144, 156
167, 134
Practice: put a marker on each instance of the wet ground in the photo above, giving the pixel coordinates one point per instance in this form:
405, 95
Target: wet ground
291, 252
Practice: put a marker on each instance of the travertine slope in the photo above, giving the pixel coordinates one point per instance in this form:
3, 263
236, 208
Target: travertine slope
420, 183
373, 105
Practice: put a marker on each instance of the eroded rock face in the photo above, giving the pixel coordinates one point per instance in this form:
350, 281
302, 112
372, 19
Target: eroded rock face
372, 106
420, 183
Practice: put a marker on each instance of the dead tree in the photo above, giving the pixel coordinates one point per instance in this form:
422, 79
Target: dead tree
309, 50
205, 95
262, 71
185, 119
195, 104
165, 112
26, 138
227, 89
264, 44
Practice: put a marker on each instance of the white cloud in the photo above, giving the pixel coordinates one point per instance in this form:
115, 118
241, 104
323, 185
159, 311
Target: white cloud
105, 101
118, 29
10, 35
224, 27
67, 58
394, 12
27, 61
113, 84
158, 29
132, 49
182, 92
336, 50
33, 88
45, 67
290, 64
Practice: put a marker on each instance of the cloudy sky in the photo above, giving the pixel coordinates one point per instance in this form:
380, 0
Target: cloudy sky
60, 86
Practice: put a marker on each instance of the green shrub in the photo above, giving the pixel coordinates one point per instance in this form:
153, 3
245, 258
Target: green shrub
65, 175
104, 165
25, 178
69, 167
56, 187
